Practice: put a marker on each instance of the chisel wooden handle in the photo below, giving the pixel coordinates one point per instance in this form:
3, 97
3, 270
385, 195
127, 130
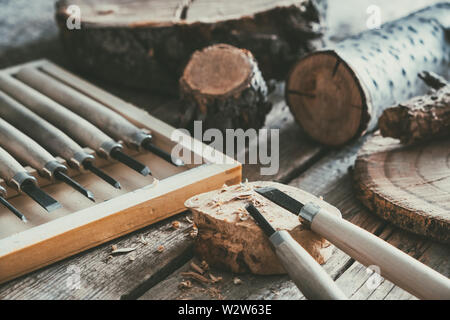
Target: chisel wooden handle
104, 118
79, 129
12, 171
48, 136
395, 265
312, 280
28, 151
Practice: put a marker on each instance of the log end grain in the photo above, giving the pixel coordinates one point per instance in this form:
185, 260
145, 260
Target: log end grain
225, 88
326, 98
408, 186
228, 238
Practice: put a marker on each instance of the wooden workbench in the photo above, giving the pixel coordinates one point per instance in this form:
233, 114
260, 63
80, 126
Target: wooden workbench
149, 274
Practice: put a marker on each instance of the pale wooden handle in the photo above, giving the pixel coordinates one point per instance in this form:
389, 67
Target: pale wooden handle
395, 265
48, 136
81, 130
101, 116
9, 167
307, 274
26, 150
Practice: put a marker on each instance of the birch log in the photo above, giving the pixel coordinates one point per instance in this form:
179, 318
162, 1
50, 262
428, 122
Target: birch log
339, 93
421, 118
146, 43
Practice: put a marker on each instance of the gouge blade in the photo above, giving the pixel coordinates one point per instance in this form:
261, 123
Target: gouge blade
163, 154
130, 162
68, 180
260, 220
282, 199
11, 208
38, 195
88, 165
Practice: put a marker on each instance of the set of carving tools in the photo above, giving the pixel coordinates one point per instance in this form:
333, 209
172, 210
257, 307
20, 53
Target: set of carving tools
41, 118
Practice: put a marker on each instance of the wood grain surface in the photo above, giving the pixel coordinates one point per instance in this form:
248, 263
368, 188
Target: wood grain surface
408, 186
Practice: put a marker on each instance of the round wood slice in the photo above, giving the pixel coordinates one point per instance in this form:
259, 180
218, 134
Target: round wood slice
146, 43
407, 185
225, 88
339, 93
228, 237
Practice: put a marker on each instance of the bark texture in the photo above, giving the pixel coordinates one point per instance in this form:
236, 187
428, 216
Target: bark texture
147, 43
408, 186
421, 118
223, 87
337, 101
228, 238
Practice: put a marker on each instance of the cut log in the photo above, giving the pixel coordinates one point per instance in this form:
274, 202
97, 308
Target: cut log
146, 43
228, 238
224, 88
406, 185
421, 118
339, 93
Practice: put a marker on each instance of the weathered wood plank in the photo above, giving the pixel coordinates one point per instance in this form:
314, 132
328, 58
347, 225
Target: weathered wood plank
105, 277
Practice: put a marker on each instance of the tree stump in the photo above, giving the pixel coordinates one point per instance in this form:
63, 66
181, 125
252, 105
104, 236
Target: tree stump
146, 43
228, 238
338, 94
421, 118
407, 185
225, 89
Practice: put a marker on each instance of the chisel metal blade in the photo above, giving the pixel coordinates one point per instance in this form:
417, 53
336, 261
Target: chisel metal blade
260, 220
101, 174
281, 199
68, 180
11, 208
130, 162
38, 195
163, 154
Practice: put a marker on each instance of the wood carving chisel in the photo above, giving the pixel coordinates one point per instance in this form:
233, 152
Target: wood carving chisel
307, 274
26, 150
104, 118
79, 129
18, 178
51, 138
9, 206
395, 265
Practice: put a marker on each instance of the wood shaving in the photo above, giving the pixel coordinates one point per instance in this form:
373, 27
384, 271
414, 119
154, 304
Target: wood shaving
237, 281
195, 267
185, 284
132, 257
204, 265
189, 220
122, 250
175, 225
215, 279
114, 247
142, 240
195, 276
193, 234
160, 249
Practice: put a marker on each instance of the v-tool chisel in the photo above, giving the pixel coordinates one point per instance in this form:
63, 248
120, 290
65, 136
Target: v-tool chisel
395, 265
9, 206
27, 151
79, 129
104, 118
312, 280
18, 178
49, 137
